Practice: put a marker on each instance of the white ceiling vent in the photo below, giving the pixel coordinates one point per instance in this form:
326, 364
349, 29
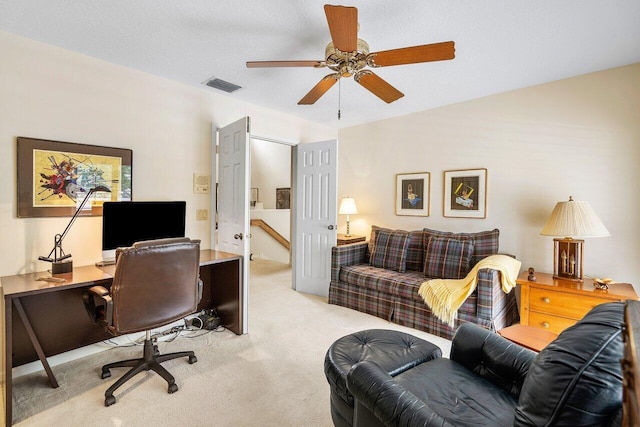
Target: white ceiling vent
221, 85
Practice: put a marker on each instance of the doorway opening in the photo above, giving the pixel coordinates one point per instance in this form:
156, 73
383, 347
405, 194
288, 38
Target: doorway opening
270, 200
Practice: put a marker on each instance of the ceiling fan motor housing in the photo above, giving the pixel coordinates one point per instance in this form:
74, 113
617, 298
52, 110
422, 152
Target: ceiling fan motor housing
347, 63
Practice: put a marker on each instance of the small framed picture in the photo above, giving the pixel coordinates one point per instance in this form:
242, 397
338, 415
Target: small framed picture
283, 198
413, 194
254, 197
465, 193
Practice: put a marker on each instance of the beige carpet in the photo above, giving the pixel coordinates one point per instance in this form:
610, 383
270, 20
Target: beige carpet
272, 376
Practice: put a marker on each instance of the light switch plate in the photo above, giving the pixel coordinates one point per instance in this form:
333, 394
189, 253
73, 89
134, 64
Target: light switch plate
202, 214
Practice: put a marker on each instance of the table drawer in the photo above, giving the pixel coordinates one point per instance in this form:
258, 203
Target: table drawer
555, 324
562, 304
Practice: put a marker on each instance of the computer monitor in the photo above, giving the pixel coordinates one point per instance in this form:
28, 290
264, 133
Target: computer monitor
124, 223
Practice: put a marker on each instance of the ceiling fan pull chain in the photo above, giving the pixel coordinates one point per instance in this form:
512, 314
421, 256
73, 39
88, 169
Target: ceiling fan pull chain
339, 92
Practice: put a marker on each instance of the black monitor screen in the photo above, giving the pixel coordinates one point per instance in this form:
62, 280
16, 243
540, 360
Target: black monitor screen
124, 223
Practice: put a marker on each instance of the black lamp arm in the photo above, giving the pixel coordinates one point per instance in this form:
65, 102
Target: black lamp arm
57, 252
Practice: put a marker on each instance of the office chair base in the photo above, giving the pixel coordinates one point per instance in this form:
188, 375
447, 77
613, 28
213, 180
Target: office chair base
151, 361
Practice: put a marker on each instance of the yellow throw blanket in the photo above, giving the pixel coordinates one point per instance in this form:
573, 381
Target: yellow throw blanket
445, 296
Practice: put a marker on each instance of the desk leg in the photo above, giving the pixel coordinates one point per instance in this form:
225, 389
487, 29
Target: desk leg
35, 342
8, 363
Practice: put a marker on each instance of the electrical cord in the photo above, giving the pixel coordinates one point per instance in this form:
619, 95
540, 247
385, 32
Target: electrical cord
177, 331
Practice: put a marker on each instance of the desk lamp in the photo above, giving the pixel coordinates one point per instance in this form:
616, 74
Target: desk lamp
348, 207
568, 220
60, 262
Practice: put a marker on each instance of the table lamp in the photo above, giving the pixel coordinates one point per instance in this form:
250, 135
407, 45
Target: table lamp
60, 262
348, 207
568, 220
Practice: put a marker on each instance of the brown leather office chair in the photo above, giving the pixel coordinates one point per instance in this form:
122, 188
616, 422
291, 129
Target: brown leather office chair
156, 282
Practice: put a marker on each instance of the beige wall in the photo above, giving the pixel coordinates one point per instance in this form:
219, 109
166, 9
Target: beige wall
270, 169
579, 137
51, 93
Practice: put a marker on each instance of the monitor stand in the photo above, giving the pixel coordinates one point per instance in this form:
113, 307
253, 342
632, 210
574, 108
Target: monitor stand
108, 258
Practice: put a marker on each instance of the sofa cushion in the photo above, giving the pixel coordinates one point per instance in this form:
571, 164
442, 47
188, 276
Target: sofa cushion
415, 251
485, 243
415, 248
447, 258
390, 250
577, 379
392, 284
372, 238
381, 280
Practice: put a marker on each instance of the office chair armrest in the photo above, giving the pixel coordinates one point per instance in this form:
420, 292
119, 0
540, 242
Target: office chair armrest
200, 286
103, 313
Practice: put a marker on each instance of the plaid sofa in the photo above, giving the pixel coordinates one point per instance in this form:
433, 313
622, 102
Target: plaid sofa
393, 295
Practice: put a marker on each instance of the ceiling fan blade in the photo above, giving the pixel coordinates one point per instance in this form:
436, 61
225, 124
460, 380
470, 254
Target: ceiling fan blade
320, 89
412, 55
343, 26
265, 64
377, 86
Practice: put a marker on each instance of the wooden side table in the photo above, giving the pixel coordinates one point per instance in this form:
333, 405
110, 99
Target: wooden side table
528, 336
344, 240
555, 304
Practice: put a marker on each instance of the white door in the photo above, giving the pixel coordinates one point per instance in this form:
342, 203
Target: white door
314, 219
234, 171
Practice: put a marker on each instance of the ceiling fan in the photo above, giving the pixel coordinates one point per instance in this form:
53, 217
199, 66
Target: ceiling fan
347, 55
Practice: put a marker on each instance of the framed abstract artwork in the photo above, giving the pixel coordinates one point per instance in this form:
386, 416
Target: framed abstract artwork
465, 193
54, 177
413, 194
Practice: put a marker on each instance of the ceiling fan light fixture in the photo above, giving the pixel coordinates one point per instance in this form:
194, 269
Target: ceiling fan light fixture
347, 63
347, 55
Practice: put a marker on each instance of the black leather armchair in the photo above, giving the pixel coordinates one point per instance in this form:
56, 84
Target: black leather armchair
155, 283
489, 381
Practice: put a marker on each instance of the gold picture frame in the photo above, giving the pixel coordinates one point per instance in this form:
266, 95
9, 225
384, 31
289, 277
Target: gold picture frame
54, 177
465, 193
413, 194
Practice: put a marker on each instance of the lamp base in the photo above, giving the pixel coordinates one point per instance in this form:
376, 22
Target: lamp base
567, 259
62, 267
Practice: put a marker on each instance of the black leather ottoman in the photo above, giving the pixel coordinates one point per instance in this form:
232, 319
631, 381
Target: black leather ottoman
394, 351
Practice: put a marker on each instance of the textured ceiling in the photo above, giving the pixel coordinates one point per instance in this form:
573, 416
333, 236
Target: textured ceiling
500, 45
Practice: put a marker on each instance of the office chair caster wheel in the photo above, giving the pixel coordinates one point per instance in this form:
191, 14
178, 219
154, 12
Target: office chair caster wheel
105, 374
109, 400
192, 360
173, 388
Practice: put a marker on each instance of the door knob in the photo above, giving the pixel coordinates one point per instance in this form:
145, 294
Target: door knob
237, 236
330, 227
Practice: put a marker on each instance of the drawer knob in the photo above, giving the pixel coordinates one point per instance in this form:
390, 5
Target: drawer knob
546, 300
545, 325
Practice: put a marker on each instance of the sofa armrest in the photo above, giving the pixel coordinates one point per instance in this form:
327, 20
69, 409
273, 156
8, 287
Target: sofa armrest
379, 397
354, 253
491, 298
491, 356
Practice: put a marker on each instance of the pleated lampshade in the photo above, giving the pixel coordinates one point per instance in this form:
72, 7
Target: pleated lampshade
574, 219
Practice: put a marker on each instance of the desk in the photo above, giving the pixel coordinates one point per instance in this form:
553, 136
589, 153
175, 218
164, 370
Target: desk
42, 319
